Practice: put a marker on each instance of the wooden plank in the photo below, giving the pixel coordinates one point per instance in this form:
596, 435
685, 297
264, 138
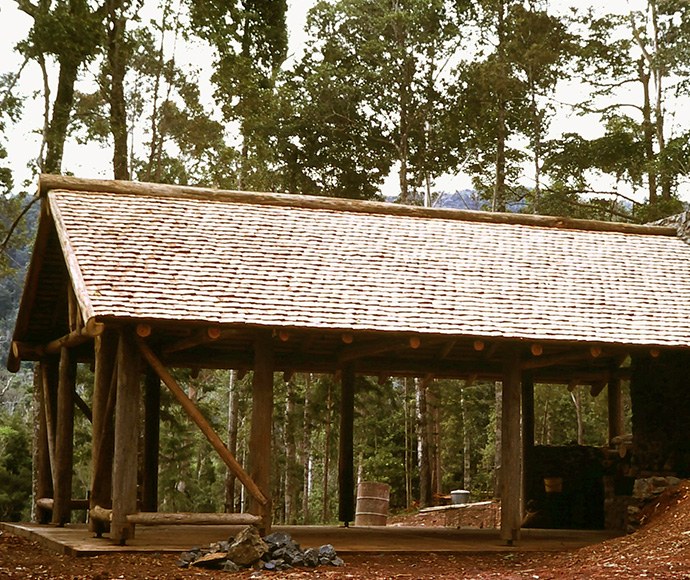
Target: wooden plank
262, 417
50, 182
201, 422
102, 431
152, 402
511, 480
346, 469
126, 438
64, 439
615, 409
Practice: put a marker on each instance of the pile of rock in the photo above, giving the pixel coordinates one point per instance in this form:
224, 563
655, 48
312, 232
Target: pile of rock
277, 551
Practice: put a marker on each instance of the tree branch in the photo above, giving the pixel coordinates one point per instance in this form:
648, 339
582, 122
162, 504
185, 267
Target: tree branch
15, 223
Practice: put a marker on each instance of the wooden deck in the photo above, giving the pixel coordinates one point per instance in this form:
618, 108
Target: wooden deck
76, 540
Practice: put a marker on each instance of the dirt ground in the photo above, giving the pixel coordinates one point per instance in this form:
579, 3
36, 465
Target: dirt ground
659, 550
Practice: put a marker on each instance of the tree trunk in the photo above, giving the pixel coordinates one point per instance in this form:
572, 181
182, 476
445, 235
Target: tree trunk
62, 108
648, 132
306, 450
290, 456
117, 63
500, 198
327, 453
466, 442
577, 401
499, 439
423, 447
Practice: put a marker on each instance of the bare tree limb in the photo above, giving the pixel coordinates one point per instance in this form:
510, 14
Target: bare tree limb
15, 223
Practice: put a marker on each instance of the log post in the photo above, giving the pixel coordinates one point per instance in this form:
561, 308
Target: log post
105, 348
511, 480
346, 468
615, 404
126, 438
152, 402
64, 439
527, 436
44, 479
260, 436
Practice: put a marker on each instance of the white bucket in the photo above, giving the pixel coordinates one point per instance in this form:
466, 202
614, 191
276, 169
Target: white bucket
459, 496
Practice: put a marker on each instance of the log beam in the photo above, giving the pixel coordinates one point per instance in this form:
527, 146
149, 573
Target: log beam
125, 462
511, 480
371, 348
556, 359
200, 337
44, 480
64, 439
193, 519
102, 431
346, 471
201, 422
48, 182
262, 417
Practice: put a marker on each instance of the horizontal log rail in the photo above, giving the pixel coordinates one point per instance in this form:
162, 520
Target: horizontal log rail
179, 518
201, 422
47, 503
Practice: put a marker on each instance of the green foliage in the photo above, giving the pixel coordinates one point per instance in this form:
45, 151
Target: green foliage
15, 467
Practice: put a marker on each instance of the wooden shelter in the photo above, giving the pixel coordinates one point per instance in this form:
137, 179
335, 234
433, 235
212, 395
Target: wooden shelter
137, 278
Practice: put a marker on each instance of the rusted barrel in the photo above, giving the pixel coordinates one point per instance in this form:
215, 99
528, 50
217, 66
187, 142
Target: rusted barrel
372, 503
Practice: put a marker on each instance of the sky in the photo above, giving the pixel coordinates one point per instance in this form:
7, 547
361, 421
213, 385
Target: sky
24, 141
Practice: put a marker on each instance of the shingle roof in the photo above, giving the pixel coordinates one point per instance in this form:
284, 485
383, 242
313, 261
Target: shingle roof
237, 262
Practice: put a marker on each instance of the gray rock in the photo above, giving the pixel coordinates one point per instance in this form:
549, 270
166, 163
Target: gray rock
311, 557
277, 539
182, 563
327, 554
230, 566
337, 561
270, 565
247, 548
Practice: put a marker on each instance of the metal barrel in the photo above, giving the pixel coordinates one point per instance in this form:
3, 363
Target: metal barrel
372, 504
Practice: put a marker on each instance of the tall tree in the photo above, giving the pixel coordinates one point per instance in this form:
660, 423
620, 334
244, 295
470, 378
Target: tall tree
388, 60
636, 65
70, 31
250, 42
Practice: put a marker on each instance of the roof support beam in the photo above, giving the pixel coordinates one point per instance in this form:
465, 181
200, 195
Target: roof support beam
201, 422
511, 447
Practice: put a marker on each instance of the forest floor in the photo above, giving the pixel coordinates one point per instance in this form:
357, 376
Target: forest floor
659, 550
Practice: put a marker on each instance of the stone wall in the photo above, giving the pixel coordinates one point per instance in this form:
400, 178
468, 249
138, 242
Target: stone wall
660, 394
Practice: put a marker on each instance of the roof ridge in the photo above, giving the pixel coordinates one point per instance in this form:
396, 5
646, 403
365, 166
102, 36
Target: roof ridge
49, 182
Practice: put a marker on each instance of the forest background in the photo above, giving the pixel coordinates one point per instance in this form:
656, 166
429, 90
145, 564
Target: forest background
392, 100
